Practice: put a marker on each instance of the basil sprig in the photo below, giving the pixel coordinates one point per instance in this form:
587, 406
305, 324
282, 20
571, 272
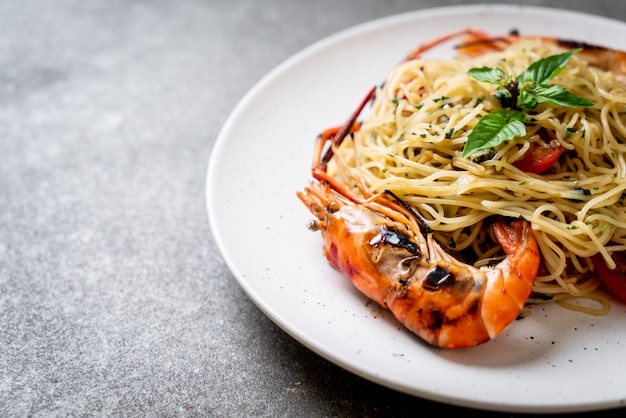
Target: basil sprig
518, 94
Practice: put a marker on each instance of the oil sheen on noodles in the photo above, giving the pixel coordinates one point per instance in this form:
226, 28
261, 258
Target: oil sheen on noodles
411, 141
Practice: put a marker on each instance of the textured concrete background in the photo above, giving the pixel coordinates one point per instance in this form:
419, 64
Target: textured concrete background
113, 297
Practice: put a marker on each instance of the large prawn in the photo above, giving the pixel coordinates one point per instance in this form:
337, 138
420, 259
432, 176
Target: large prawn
477, 42
390, 255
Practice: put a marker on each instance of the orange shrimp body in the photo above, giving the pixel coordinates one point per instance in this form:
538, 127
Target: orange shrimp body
477, 43
447, 303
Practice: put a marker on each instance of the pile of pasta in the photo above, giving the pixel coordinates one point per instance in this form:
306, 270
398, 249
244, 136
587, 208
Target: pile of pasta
411, 140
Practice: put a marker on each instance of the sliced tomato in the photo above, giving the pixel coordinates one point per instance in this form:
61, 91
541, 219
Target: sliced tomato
540, 157
614, 279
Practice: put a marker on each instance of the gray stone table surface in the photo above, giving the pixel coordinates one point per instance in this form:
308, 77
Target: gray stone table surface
114, 300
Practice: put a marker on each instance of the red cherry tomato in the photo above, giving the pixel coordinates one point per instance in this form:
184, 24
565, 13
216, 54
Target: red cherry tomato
539, 159
615, 279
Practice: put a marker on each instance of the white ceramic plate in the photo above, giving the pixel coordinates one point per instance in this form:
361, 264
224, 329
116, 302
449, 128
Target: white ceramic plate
553, 361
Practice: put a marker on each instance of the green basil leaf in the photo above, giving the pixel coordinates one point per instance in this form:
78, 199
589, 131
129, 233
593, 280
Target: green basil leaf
493, 129
522, 93
557, 95
488, 75
545, 69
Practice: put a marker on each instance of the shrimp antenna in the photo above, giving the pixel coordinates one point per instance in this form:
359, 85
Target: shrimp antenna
424, 228
346, 127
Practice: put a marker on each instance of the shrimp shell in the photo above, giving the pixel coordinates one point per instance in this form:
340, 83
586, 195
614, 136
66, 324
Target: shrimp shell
445, 302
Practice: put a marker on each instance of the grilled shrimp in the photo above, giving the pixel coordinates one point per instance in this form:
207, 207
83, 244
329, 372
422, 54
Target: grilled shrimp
447, 303
477, 43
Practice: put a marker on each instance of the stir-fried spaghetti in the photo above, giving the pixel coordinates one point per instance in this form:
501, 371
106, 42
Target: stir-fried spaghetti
411, 141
